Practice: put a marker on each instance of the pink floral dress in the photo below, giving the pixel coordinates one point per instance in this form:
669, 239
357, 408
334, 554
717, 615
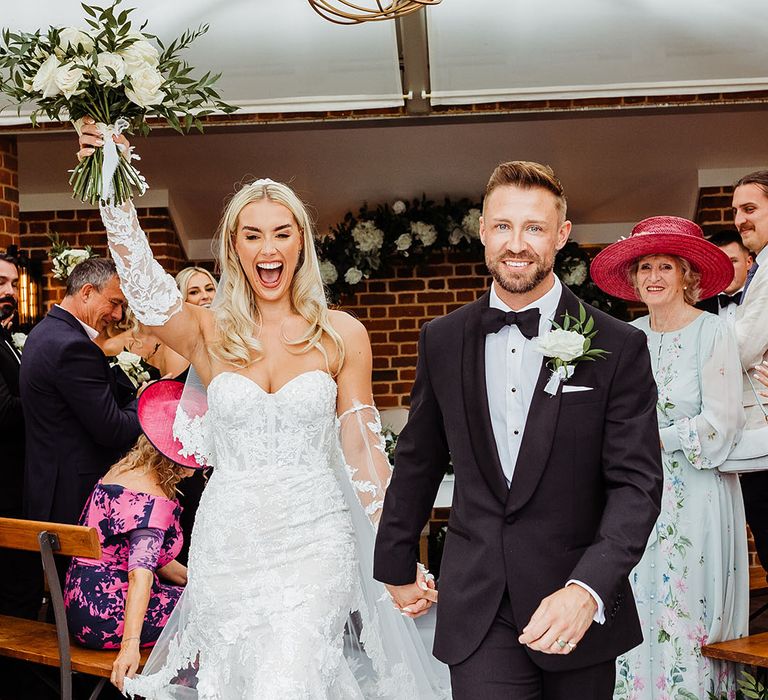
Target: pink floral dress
137, 530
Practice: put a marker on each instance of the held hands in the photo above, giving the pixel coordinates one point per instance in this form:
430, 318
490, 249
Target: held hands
560, 621
126, 663
415, 599
91, 139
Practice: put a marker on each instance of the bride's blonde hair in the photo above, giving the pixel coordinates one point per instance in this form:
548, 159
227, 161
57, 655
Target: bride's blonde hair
236, 307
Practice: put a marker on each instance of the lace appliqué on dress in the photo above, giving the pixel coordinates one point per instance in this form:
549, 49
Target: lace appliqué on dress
193, 434
151, 292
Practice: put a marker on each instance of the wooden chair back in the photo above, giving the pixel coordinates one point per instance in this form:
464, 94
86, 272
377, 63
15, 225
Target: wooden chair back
66, 540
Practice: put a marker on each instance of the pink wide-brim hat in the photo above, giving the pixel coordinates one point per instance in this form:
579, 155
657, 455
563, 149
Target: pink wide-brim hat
157, 411
661, 235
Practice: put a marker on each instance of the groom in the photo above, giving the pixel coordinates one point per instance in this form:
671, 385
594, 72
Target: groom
558, 483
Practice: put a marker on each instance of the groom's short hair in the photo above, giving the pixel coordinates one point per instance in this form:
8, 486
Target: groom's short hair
526, 175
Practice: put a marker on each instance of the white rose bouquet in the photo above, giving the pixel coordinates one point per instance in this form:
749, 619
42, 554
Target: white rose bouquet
115, 74
64, 258
134, 367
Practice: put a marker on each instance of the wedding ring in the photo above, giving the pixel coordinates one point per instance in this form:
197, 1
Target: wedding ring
571, 645
560, 643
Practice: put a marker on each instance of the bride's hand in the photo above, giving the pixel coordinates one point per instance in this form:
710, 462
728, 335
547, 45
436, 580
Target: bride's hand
91, 139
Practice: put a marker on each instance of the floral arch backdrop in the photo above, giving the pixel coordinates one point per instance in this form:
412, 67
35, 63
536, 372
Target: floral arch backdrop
367, 245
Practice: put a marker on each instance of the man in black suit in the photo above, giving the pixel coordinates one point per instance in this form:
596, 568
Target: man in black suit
17, 591
558, 477
75, 428
725, 303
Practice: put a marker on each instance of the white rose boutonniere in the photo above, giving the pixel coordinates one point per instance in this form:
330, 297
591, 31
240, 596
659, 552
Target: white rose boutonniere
18, 340
566, 345
133, 366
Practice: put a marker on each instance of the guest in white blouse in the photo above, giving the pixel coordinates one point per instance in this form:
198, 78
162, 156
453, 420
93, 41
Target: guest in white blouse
692, 584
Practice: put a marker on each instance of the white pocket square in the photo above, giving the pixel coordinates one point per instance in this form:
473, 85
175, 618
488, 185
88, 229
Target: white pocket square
573, 387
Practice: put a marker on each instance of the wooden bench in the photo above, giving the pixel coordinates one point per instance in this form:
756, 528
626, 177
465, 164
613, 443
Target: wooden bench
40, 642
752, 651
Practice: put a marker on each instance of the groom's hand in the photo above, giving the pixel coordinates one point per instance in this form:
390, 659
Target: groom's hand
414, 599
560, 621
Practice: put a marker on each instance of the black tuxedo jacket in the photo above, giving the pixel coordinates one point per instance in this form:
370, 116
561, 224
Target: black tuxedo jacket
585, 493
11, 430
75, 428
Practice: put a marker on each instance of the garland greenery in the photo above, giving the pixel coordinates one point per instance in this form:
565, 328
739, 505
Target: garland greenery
367, 245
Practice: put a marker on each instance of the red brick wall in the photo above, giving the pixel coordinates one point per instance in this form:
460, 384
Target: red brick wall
714, 209
83, 227
394, 309
9, 192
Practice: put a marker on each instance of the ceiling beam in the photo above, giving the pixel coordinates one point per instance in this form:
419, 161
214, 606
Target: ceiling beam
414, 53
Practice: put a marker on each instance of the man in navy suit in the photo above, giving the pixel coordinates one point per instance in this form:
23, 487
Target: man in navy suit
75, 428
558, 481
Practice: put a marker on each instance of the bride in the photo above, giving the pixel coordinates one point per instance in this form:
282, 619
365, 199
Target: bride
280, 560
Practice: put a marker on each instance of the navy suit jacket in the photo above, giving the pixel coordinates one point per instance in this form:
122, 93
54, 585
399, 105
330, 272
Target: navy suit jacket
585, 494
75, 428
11, 430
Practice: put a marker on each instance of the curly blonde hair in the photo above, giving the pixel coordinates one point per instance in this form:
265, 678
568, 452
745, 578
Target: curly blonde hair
237, 310
144, 456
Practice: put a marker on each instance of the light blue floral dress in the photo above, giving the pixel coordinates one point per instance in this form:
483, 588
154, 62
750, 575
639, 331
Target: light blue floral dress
692, 584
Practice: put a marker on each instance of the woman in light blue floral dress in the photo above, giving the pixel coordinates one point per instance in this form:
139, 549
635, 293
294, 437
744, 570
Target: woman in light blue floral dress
692, 584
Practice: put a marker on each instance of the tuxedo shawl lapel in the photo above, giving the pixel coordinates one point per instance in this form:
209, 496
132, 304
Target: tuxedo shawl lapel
476, 402
540, 425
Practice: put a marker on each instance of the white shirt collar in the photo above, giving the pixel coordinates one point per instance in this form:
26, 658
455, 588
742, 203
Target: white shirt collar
92, 332
546, 304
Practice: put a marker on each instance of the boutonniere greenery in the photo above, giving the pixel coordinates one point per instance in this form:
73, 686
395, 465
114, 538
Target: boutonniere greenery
134, 366
568, 343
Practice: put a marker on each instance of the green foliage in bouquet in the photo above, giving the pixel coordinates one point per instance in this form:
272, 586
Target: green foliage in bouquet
64, 258
113, 73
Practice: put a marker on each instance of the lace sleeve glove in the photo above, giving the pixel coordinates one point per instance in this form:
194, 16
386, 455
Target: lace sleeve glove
151, 292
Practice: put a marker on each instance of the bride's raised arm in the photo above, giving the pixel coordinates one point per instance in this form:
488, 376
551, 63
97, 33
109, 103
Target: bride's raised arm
151, 292
362, 443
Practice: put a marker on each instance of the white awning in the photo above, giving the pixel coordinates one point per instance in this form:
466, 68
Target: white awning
513, 50
274, 55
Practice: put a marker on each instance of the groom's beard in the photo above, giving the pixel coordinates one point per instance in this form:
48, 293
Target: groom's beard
521, 281
8, 306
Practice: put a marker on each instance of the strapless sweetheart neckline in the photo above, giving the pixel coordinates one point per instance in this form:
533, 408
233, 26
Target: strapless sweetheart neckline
272, 393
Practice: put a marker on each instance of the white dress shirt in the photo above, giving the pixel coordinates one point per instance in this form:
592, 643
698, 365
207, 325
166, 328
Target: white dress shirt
512, 367
728, 313
91, 332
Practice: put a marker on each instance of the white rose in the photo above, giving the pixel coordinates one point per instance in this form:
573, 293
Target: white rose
565, 345
353, 276
139, 55
72, 37
68, 78
367, 236
145, 88
45, 78
471, 223
398, 207
108, 60
426, 233
576, 276
404, 241
18, 339
128, 360
328, 272
456, 235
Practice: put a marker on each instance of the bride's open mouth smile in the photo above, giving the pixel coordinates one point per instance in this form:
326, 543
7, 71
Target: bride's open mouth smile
270, 273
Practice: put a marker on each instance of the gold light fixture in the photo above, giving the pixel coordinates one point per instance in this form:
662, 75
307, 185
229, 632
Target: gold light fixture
30, 289
345, 12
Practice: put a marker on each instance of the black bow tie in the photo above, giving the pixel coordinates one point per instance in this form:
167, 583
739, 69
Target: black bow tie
493, 320
725, 299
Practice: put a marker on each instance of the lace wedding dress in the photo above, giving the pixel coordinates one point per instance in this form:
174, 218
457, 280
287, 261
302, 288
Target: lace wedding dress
279, 603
